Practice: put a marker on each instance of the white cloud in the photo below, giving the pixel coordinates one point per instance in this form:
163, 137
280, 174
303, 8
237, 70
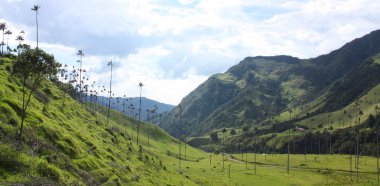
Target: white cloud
185, 2
172, 46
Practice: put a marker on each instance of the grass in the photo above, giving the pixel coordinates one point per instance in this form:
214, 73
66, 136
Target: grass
316, 170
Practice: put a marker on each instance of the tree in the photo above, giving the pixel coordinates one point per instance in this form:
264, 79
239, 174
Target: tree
290, 118
32, 67
214, 137
19, 38
224, 130
3, 26
138, 124
232, 132
109, 98
377, 153
179, 141
36, 8
81, 54
8, 32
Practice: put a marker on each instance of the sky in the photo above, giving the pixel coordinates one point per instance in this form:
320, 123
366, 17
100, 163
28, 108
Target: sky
172, 46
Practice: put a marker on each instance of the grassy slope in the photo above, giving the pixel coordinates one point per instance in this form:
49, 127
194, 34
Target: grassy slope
75, 146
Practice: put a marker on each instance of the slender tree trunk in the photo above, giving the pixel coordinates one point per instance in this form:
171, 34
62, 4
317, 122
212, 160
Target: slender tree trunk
2, 46
288, 169
223, 152
319, 144
37, 26
25, 104
211, 149
185, 147
246, 162
23, 110
357, 157
305, 146
377, 156
255, 163
109, 98
138, 124
179, 153
351, 166
80, 79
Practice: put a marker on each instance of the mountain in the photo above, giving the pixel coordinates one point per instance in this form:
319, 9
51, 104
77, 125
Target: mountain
260, 89
130, 106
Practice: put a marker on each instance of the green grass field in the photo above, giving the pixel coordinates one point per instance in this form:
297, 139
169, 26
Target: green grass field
271, 170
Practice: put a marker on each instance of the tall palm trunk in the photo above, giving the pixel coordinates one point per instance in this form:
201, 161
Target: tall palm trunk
138, 124
36, 8
377, 156
109, 99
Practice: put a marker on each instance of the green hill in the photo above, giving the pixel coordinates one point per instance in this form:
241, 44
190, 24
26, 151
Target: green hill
259, 88
73, 145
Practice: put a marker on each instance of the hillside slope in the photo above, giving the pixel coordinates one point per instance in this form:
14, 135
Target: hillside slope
259, 88
73, 144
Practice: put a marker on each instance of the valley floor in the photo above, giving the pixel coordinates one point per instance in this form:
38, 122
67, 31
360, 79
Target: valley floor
272, 170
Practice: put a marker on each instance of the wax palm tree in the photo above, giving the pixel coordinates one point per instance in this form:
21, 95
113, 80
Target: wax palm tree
224, 130
81, 54
3, 26
138, 124
179, 139
8, 32
36, 8
290, 118
109, 99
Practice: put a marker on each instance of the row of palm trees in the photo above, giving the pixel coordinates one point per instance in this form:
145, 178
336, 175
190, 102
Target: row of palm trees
76, 79
19, 38
6, 31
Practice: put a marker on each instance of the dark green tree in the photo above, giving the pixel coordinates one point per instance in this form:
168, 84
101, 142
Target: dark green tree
33, 66
214, 137
232, 132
